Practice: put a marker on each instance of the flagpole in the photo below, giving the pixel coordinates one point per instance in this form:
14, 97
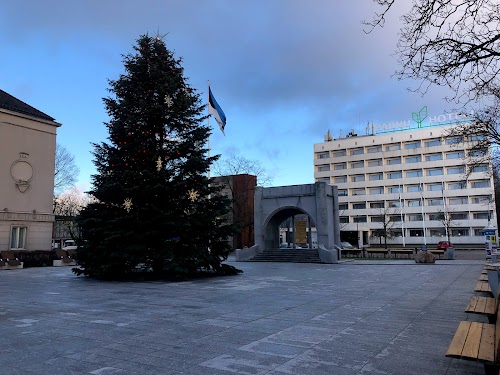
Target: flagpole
424, 246
402, 217
208, 119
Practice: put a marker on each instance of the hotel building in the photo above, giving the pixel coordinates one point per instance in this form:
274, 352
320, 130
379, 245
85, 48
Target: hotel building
407, 187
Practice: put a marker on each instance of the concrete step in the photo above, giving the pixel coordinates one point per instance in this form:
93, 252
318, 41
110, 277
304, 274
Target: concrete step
288, 255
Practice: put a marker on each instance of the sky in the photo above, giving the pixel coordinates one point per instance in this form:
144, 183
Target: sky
283, 71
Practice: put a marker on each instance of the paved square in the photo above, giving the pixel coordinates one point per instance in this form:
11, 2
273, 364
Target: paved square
276, 318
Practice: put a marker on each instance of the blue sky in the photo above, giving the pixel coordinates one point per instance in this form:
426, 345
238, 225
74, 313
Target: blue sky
283, 71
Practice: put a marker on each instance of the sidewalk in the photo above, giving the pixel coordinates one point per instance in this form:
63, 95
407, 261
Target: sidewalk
275, 318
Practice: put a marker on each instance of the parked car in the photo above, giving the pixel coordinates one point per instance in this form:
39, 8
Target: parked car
69, 245
346, 245
443, 245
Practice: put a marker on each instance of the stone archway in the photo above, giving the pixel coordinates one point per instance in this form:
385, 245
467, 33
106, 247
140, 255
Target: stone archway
272, 205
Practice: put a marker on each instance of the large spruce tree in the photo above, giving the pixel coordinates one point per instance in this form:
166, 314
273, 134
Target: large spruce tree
155, 212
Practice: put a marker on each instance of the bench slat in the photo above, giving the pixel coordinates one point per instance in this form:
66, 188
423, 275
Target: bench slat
472, 304
482, 287
483, 278
490, 307
487, 345
481, 304
472, 341
457, 344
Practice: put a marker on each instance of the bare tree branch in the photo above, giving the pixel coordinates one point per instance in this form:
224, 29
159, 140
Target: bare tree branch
66, 170
448, 43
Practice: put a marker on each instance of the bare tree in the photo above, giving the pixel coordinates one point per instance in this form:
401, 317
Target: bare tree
387, 215
66, 170
233, 164
448, 43
66, 207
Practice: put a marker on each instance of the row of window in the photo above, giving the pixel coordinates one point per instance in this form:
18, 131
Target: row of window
452, 201
437, 216
397, 146
397, 174
479, 184
395, 161
432, 232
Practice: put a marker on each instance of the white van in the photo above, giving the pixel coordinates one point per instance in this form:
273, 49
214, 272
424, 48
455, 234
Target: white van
69, 245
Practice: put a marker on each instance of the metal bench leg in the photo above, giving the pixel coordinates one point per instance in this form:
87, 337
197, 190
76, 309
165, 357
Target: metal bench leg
491, 369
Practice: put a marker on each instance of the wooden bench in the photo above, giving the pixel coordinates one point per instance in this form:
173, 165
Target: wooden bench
437, 252
484, 306
481, 286
384, 252
402, 252
476, 341
353, 252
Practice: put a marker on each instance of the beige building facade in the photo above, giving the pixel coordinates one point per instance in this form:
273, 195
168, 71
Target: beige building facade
412, 181
27, 159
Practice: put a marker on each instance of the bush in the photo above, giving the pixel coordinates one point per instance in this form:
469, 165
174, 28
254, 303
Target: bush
36, 258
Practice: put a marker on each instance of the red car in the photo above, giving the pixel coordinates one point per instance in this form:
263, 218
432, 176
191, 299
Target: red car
443, 245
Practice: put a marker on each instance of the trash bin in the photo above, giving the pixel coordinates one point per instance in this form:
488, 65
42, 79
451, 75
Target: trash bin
449, 253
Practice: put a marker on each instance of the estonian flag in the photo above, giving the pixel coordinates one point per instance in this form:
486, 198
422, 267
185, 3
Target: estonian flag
216, 111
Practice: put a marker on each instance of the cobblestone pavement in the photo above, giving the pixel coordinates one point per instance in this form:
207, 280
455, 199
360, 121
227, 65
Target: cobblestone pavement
275, 318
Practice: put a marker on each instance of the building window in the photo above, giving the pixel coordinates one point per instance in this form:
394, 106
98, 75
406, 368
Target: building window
413, 188
434, 172
344, 219
477, 138
457, 200
416, 232
455, 155
457, 185
415, 173
481, 168
394, 189
413, 159
479, 232
481, 215
323, 155
324, 168
359, 206
433, 157
358, 164
393, 147
415, 217
394, 204
459, 216
414, 202
459, 232
374, 149
359, 219
434, 187
411, 145
340, 179
376, 176
437, 232
342, 192
343, 206
340, 166
453, 140
395, 218
437, 216
480, 184
376, 204
394, 161
433, 142
394, 175
18, 238
435, 202
377, 190
358, 191
358, 178
484, 199
477, 153
375, 162
357, 151
456, 170
377, 219
339, 153
326, 179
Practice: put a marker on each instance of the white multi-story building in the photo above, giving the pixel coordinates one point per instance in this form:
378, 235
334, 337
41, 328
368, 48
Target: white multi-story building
409, 185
